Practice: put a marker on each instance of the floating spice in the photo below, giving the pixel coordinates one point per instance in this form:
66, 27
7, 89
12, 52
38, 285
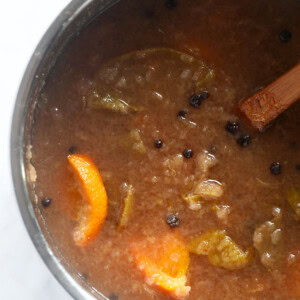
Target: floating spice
46, 201
158, 143
187, 153
285, 36
275, 168
173, 220
244, 140
196, 99
232, 127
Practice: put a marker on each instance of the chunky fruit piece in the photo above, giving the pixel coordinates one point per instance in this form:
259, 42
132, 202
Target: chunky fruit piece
94, 189
164, 262
222, 251
269, 243
139, 74
133, 142
209, 189
227, 254
206, 242
204, 191
127, 208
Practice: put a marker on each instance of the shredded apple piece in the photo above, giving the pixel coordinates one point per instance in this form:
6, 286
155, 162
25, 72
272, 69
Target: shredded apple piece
205, 190
139, 74
194, 201
102, 99
269, 243
209, 189
222, 251
96, 195
127, 208
164, 262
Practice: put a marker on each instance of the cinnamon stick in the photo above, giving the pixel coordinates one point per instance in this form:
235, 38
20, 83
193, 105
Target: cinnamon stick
264, 106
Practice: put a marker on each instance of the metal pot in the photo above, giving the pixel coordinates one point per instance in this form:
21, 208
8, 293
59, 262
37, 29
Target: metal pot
72, 19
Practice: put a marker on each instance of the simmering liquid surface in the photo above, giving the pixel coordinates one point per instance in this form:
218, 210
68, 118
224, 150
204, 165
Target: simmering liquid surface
204, 57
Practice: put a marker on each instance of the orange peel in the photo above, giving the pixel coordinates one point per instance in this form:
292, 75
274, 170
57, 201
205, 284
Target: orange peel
93, 187
164, 263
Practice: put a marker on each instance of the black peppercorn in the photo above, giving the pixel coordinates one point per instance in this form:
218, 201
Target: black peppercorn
275, 168
187, 153
285, 36
232, 127
46, 201
181, 115
158, 143
196, 99
244, 140
173, 220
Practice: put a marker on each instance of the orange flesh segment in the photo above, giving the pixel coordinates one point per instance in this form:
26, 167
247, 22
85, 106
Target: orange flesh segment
164, 264
92, 185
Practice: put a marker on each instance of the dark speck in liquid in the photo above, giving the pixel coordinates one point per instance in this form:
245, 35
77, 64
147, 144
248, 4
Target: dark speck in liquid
187, 153
232, 127
275, 168
173, 220
181, 115
285, 35
244, 140
72, 149
46, 201
158, 143
196, 99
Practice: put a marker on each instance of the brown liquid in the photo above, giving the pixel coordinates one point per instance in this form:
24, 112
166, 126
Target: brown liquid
239, 41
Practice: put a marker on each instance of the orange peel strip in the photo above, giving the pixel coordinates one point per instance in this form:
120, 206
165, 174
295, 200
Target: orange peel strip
164, 264
93, 186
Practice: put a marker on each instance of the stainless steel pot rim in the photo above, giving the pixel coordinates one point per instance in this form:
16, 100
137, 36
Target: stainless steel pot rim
17, 153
